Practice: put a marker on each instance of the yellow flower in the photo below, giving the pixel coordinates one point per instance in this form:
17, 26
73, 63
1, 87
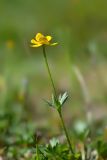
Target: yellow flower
40, 40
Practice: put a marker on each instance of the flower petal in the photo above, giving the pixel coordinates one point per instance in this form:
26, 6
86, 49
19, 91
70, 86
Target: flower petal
36, 45
39, 36
48, 38
34, 41
53, 44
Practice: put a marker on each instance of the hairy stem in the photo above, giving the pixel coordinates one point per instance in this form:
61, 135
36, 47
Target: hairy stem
54, 90
49, 72
66, 133
37, 154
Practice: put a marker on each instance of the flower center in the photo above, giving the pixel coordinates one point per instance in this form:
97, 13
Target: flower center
43, 40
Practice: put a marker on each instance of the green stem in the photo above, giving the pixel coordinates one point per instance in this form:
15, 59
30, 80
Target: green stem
66, 133
49, 72
37, 154
59, 111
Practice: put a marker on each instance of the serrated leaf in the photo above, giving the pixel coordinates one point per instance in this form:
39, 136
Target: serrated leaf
54, 142
50, 104
63, 98
55, 101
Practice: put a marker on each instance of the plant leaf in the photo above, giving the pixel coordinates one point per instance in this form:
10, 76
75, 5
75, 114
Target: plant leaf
50, 104
63, 98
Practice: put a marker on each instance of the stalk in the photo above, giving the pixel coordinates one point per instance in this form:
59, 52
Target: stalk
37, 152
49, 72
57, 105
66, 132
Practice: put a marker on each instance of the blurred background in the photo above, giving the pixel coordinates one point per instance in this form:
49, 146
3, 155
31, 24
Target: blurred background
78, 63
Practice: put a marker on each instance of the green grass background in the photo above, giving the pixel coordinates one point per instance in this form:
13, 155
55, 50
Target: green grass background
80, 28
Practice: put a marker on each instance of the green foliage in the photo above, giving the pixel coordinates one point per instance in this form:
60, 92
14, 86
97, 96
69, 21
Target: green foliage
57, 103
54, 150
80, 28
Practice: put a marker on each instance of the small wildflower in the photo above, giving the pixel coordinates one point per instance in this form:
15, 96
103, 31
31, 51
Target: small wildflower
40, 40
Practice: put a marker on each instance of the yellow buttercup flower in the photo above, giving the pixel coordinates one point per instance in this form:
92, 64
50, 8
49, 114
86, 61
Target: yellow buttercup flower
40, 40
